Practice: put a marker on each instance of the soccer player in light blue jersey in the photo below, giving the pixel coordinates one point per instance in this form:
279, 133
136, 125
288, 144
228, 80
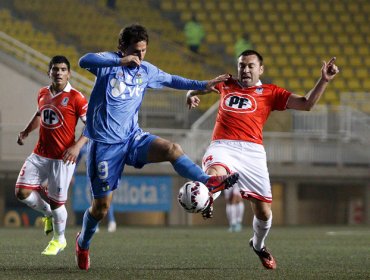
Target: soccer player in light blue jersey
115, 136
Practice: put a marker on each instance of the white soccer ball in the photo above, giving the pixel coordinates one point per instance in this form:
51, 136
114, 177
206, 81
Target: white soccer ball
194, 197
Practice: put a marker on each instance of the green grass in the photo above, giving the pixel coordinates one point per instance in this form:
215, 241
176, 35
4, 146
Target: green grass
191, 253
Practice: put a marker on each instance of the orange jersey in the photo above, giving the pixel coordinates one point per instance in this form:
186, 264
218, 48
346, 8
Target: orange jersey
59, 116
243, 111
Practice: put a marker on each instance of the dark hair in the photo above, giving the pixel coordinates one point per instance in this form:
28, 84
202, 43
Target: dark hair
59, 59
252, 52
131, 35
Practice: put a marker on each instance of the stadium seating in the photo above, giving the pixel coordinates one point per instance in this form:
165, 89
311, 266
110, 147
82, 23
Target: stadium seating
304, 32
101, 32
289, 34
44, 42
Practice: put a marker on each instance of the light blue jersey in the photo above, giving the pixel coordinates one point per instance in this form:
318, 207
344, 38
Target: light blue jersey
112, 115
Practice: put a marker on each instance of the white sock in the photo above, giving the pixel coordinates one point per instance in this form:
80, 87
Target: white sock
261, 230
231, 213
59, 223
239, 212
35, 201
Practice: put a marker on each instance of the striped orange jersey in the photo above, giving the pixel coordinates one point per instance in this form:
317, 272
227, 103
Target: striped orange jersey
243, 111
59, 116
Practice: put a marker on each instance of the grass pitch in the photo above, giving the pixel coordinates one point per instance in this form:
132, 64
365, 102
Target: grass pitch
191, 253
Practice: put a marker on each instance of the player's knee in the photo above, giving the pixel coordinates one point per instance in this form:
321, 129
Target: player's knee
174, 151
21, 193
55, 205
264, 215
99, 211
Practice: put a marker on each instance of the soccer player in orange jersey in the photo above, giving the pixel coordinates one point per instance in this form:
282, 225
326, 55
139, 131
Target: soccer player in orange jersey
237, 144
54, 156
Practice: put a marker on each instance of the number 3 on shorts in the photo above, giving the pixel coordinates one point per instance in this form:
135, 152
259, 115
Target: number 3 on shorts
103, 170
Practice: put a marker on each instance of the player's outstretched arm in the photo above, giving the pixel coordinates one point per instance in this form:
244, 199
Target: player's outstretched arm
32, 125
192, 100
219, 79
305, 103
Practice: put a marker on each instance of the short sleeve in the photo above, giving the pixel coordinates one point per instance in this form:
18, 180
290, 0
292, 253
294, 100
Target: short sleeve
281, 96
81, 105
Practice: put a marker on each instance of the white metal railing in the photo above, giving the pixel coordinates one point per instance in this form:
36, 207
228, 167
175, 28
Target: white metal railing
281, 147
38, 60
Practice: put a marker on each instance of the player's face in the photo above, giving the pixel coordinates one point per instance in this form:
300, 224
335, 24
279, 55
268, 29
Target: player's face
249, 70
138, 49
59, 75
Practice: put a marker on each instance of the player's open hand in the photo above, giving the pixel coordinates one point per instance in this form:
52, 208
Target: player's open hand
21, 136
192, 101
219, 79
329, 70
70, 155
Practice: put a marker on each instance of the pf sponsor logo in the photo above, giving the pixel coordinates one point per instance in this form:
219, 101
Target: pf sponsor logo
239, 103
51, 117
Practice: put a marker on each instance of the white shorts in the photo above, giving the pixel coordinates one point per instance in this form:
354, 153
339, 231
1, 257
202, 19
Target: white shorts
231, 192
246, 158
36, 170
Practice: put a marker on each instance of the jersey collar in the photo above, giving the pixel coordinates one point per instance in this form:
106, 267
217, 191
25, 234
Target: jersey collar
67, 88
259, 83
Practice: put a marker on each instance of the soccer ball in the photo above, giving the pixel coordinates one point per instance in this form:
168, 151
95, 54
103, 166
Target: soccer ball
194, 197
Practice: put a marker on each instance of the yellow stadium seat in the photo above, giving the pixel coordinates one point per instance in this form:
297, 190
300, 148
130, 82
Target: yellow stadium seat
296, 61
310, 7
281, 61
282, 7
279, 82
195, 6
328, 39
264, 27
357, 39
287, 72
276, 49
239, 5
334, 50
308, 28
181, 5
363, 50
284, 38
366, 85
294, 85
216, 17
313, 38
303, 72
352, 7
253, 6
296, 6
362, 73
167, 5
339, 7
267, 6
227, 38
354, 85
272, 72
349, 50
270, 38
279, 28
330, 18
210, 6
291, 50
224, 5
339, 84
293, 28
